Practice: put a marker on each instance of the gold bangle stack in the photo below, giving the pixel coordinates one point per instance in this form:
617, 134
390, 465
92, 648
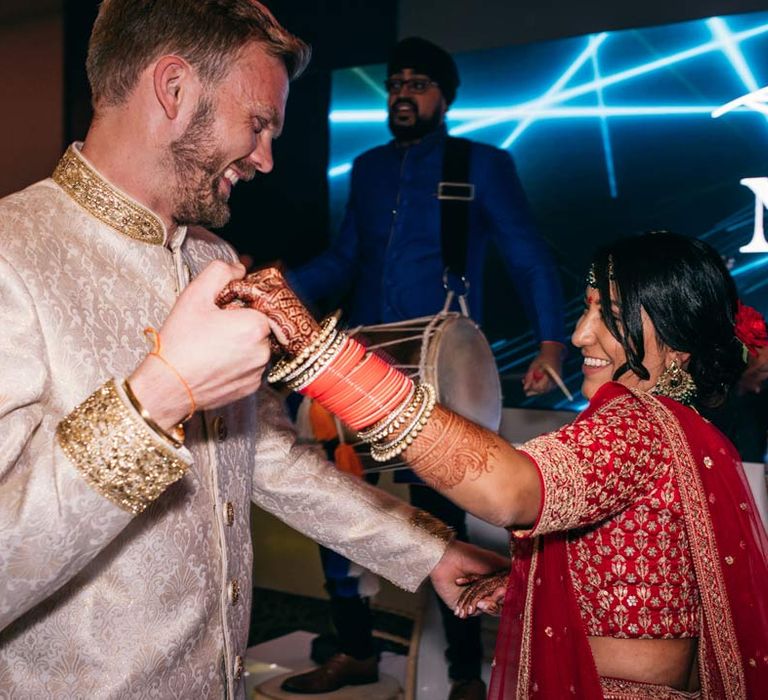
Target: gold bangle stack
317, 362
388, 424
416, 413
175, 436
293, 366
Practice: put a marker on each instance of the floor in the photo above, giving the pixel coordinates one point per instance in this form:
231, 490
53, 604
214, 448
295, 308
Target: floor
284, 625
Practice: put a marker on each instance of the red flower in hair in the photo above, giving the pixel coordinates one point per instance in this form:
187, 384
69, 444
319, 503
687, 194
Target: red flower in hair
750, 328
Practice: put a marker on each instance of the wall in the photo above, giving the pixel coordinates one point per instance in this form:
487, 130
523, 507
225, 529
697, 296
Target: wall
462, 26
31, 95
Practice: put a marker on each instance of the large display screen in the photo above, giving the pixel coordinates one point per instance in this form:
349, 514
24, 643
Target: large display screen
612, 134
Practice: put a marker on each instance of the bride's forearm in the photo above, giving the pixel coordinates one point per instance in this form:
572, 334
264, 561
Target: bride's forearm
477, 469
470, 465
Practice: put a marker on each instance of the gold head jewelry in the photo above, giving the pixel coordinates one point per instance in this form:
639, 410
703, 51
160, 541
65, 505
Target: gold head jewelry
677, 384
592, 276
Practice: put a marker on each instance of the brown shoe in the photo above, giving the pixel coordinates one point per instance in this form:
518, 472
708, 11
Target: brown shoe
338, 671
473, 689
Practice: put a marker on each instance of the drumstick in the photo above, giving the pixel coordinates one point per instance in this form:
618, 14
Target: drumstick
556, 379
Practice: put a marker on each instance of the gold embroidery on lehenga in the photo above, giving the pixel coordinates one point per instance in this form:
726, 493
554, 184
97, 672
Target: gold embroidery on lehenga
524, 670
104, 201
714, 596
622, 577
620, 689
565, 489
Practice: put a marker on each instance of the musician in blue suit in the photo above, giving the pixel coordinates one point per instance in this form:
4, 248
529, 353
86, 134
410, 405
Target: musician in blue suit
388, 261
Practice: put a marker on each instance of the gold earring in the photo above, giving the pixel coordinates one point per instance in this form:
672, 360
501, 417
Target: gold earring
677, 384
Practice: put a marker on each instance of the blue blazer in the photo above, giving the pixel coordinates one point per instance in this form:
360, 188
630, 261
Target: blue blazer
388, 252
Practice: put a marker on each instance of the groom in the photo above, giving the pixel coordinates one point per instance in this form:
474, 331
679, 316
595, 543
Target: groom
126, 475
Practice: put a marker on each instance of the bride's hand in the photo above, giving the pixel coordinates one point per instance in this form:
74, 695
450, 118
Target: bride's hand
483, 594
267, 291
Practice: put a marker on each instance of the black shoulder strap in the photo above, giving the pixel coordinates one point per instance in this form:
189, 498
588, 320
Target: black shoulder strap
455, 192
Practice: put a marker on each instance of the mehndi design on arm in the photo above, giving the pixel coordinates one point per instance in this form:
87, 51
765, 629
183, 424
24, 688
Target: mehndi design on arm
449, 449
489, 589
267, 291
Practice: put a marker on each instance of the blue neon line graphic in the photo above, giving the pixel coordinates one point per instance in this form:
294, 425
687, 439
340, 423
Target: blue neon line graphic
536, 109
756, 286
652, 66
497, 115
370, 82
342, 169
536, 106
501, 114
721, 31
723, 34
607, 149
750, 266
592, 46
670, 77
549, 105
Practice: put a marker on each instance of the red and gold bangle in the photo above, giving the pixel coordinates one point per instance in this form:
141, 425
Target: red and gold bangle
388, 424
318, 363
349, 355
359, 387
410, 415
393, 389
384, 451
287, 366
356, 385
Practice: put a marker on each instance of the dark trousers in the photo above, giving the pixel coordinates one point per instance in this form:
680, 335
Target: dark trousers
351, 614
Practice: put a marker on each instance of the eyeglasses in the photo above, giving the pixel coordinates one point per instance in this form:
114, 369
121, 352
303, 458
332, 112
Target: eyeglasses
415, 85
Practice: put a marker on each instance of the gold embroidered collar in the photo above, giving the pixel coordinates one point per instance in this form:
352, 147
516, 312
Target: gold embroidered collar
80, 180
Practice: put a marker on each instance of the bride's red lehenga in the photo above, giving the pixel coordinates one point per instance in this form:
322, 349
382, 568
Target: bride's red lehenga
542, 649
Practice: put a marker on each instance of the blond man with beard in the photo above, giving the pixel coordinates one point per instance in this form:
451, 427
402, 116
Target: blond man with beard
125, 549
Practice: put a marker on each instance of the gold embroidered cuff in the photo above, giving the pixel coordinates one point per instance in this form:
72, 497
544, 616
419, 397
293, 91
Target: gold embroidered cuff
564, 501
115, 451
437, 528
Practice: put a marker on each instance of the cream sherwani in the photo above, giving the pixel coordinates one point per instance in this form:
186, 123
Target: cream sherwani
125, 563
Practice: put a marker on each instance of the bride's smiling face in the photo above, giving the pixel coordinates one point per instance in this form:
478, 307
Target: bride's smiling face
603, 354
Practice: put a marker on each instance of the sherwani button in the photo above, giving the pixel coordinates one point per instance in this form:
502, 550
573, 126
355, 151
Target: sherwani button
238, 667
234, 591
219, 429
229, 513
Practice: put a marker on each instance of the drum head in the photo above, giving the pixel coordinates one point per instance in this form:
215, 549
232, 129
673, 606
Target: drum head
459, 363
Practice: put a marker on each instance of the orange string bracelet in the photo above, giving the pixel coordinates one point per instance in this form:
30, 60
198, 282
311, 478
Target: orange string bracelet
154, 336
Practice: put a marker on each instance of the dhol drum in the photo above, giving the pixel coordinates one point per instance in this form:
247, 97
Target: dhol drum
447, 350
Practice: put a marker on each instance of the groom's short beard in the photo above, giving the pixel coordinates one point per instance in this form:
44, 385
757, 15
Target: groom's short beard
197, 164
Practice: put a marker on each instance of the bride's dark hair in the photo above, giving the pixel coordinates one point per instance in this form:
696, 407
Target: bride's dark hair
689, 296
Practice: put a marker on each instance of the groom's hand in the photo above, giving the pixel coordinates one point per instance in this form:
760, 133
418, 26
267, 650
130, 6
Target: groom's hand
463, 562
221, 354
267, 291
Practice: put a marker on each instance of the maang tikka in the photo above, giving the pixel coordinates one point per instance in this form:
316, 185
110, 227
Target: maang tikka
592, 276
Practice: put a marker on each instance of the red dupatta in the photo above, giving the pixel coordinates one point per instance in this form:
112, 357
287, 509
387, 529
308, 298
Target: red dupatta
542, 649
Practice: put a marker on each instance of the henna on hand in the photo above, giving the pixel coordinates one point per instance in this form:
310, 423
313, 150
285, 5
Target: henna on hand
484, 594
450, 448
268, 292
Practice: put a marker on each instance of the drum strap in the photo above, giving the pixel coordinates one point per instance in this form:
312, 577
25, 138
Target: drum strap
455, 193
